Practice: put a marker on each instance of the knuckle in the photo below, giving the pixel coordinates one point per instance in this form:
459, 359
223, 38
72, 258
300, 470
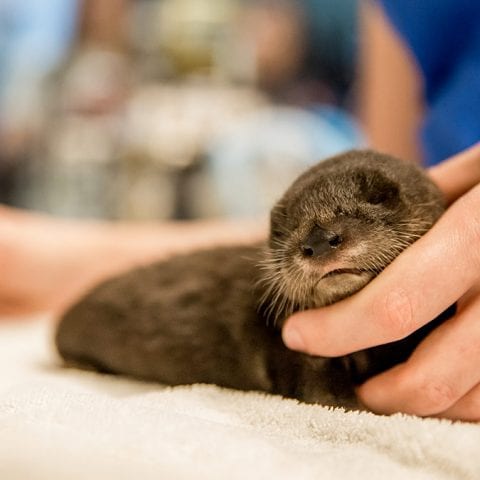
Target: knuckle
468, 222
394, 314
471, 408
475, 252
432, 395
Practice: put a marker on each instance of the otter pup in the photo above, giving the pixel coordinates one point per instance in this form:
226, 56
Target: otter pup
215, 316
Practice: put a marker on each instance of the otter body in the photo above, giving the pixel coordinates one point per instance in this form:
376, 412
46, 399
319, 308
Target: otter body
214, 316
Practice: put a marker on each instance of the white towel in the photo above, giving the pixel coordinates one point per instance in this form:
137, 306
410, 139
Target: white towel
58, 423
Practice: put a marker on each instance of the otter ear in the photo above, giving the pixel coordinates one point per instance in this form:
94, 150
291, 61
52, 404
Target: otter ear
377, 189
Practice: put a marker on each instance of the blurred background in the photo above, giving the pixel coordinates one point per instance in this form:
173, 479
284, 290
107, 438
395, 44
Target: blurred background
162, 109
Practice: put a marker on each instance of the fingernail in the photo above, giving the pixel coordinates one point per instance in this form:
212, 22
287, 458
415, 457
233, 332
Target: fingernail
292, 338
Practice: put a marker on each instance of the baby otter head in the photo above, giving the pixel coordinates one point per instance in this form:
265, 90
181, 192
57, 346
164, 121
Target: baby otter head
340, 224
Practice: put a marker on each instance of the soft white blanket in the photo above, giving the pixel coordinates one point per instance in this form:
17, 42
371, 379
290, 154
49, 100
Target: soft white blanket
58, 423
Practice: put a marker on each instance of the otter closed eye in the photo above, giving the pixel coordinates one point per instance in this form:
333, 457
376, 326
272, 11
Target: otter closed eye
377, 189
215, 316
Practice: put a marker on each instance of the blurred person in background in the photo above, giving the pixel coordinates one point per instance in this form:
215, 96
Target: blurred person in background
143, 74
440, 378
187, 83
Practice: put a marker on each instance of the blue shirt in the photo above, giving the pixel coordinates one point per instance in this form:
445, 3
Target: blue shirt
444, 36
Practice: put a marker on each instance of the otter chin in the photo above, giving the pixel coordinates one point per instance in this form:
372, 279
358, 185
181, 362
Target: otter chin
214, 316
339, 284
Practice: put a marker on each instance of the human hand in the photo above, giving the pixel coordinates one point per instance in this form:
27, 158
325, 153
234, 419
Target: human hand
442, 376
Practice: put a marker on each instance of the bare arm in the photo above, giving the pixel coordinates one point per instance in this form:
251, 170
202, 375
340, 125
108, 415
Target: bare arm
390, 104
47, 262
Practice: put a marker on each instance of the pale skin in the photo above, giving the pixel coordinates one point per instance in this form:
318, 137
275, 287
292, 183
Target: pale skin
442, 377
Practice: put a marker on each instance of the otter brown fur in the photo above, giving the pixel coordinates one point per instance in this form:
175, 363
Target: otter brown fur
215, 316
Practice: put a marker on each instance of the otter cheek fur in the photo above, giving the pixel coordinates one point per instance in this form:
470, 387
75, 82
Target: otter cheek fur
215, 316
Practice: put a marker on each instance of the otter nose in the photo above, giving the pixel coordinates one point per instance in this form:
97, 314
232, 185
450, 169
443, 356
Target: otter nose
320, 241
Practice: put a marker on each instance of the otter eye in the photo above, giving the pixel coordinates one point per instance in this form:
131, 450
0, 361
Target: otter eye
277, 233
381, 196
278, 219
335, 241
